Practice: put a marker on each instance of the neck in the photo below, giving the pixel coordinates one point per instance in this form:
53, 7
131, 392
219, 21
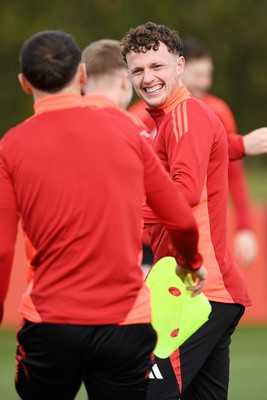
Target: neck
39, 94
102, 91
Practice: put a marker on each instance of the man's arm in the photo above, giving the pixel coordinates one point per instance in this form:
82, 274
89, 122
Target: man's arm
251, 144
236, 147
189, 156
8, 229
245, 241
171, 208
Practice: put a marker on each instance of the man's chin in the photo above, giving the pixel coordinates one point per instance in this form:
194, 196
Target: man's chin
153, 103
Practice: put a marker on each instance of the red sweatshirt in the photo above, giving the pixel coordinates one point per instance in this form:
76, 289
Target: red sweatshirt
235, 141
139, 110
77, 176
238, 188
101, 101
192, 145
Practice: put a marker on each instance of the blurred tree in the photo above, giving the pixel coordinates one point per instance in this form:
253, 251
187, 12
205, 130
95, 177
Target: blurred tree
234, 31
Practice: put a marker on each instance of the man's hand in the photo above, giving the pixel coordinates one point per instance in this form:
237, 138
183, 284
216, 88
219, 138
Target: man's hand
246, 247
255, 142
199, 277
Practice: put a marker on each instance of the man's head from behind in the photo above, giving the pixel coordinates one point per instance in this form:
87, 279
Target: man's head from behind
198, 67
49, 60
154, 54
103, 57
107, 72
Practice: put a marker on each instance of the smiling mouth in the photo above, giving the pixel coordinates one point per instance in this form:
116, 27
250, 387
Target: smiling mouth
153, 89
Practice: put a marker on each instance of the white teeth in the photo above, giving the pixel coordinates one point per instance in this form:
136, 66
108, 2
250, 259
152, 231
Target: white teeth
154, 89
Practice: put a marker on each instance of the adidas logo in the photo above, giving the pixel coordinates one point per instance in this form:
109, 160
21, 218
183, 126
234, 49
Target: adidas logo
155, 373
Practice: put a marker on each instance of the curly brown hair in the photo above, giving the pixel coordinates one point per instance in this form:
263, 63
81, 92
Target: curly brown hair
148, 36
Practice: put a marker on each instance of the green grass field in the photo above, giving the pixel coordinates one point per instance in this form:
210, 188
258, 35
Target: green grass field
248, 365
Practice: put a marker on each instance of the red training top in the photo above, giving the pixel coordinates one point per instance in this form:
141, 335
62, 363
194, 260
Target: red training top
235, 141
77, 176
192, 145
101, 101
238, 187
138, 109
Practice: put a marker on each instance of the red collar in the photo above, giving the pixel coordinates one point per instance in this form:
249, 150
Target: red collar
177, 97
58, 102
98, 100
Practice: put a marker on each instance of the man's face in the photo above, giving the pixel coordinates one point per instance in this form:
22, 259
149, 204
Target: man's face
197, 76
155, 75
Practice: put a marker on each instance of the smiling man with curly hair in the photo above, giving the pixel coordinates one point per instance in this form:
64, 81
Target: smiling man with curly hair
192, 145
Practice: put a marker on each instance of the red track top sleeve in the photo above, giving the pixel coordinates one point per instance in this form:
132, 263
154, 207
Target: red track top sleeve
235, 146
8, 229
239, 193
189, 156
171, 208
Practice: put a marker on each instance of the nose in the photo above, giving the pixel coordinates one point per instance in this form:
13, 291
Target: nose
148, 76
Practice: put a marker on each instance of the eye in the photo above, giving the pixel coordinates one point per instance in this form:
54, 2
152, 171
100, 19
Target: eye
157, 67
136, 72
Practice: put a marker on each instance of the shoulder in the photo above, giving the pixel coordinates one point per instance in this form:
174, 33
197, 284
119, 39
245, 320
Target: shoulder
194, 109
124, 118
202, 118
217, 104
14, 132
224, 112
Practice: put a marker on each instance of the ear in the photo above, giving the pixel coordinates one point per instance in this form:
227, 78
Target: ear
26, 86
82, 74
180, 65
125, 80
126, 92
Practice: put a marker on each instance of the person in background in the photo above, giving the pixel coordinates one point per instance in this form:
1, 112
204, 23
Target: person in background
251, 144
192, 144
108, 85
86, 311
198, 76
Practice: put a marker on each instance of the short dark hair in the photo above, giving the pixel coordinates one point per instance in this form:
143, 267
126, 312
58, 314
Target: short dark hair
148, 36
194, 48
103, 57
49, 59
